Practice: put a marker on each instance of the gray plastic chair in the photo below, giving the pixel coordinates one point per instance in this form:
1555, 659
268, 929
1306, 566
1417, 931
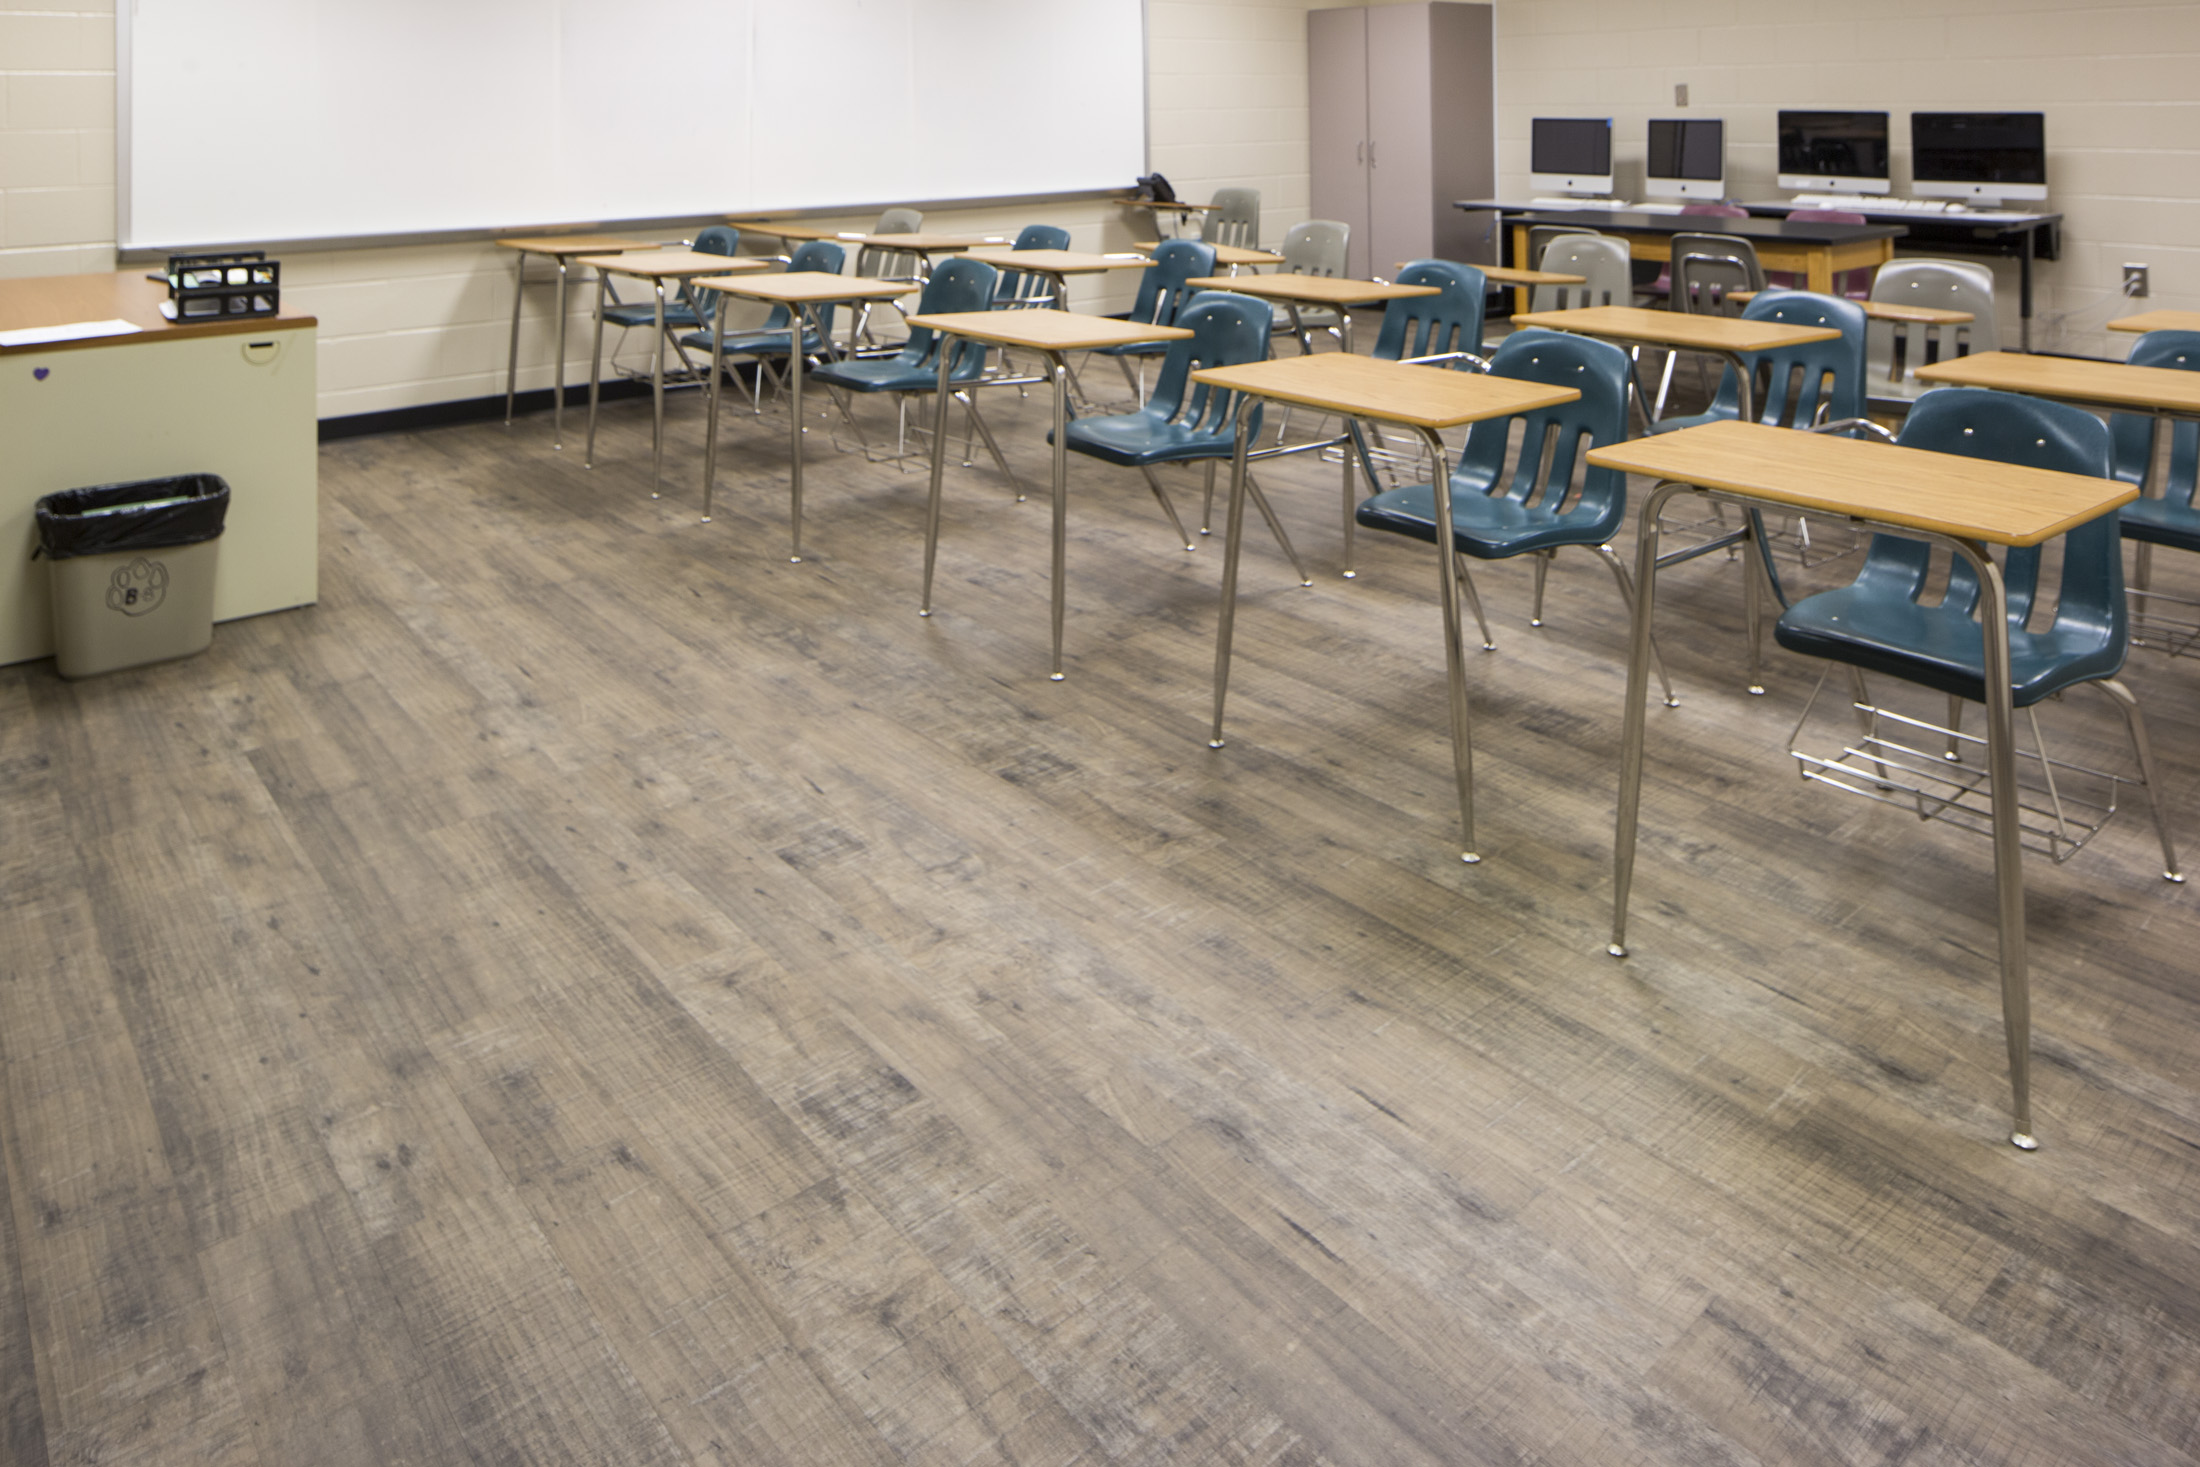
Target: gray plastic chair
1314, 247
877, 264
1540, 237
1894, 350
1601, 259
1235, 219
1708, 269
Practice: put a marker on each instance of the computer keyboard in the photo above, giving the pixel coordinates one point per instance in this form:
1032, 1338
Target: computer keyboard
1606, 204
1870, 203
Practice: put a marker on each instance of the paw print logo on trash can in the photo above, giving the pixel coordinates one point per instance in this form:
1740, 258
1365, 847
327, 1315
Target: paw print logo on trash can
138, 587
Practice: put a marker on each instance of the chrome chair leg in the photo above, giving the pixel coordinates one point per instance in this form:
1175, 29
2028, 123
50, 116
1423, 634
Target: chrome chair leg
1168, 507
1542, 560
1474, 602
1275, 527
1207, 502
2135, 722
971, 409
1618, 568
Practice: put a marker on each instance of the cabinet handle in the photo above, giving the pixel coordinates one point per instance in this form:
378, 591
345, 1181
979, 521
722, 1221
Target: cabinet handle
1359, 151
1371, 155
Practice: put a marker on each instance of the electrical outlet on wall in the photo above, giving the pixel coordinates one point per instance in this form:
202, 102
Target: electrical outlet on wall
1680, 94
2135, 281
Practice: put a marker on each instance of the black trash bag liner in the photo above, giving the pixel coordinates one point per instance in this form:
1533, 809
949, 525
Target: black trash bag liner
146, 514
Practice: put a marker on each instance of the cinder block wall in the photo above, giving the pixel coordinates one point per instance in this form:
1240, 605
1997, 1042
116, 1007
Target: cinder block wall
1227, 97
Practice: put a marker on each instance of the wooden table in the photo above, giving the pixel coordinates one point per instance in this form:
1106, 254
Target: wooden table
1963, 503
1728, 337
789, 229
1234, 256
1334, 292
656, 267
2158, 321
561, 249
226, 396
1426, 400
1895, 311
1816, 251
1057, 266
799, 292
1053, 334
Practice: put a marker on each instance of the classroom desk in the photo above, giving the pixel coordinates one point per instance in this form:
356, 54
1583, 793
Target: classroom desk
1426, 400
2157, 321
1052, 334
656, 267
1234, 256
1727, 337
1815, 251
787, 229
1899, 312
1334, 292
1962, 503
225, 396
1056, 266
800, 293
562, 250
1181, 210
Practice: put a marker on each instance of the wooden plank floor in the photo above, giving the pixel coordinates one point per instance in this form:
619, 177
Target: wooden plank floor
592, 991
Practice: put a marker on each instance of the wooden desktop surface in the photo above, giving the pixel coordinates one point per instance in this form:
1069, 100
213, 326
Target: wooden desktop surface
658, 264
1224, 254
1968, 498
1892, 311
2073, 379
804, 287
1047, 330
2158, 321
1683, 329
575, 244
1361, 387
921, 243
125, 295
788, 229
1316, 290
1059, 262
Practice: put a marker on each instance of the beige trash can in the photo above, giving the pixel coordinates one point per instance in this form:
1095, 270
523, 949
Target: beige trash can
133, 570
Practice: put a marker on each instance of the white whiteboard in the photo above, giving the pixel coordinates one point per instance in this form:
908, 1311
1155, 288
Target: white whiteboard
251, 121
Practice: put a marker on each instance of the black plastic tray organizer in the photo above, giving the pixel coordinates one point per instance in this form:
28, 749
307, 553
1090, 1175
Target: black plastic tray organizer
210, 287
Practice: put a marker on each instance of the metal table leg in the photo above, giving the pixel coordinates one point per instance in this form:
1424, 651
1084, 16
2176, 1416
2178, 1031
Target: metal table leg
1060, 371
797, 323
939, 453
557, 368
657, 397
595, 369
511, 365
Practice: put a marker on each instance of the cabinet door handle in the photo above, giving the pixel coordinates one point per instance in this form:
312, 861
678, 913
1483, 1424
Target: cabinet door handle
1359, 151
1371, 155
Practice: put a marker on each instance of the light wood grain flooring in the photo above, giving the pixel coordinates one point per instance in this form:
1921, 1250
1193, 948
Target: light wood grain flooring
591, 991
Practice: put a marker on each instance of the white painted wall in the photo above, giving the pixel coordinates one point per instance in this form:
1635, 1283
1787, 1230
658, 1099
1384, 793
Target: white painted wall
1227, 87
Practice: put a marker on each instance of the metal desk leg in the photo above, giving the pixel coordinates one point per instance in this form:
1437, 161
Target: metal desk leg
511, 365
557, 368
797, 322
2001, 764
1060, 367
1233, 535
1636, 717
939, 458
717, 376
595, 369
657, 397
1455, 662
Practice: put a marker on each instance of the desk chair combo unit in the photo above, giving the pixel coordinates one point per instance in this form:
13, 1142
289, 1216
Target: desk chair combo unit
561, 251
773, 341
1163, 292
2002, 471
1927, 311
2167, 513
927, 362
1708, 271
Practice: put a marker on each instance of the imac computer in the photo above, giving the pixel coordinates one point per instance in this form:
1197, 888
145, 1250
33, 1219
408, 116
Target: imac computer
1687, 159
1979, 157
1834, 152
1570, 156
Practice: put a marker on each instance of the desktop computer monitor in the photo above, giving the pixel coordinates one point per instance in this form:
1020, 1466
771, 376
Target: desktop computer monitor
1980, 157
1687, 159
1833, 152
1570, 155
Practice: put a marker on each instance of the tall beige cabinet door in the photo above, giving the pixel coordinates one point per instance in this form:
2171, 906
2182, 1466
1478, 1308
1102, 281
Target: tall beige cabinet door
1336, 81
1403, 110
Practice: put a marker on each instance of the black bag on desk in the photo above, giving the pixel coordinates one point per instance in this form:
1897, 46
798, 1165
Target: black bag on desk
1154, 189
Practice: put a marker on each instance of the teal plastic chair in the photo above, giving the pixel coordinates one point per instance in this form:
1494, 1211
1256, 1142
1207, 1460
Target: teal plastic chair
1882, 621
957, 285
1019, 289
2173, 517
1819, 382
1534, 507
1185, 421
1442, 329
1162, 295
686, 313
772, 338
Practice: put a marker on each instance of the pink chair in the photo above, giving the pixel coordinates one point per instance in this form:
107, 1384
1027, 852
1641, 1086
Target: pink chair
1854, 284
